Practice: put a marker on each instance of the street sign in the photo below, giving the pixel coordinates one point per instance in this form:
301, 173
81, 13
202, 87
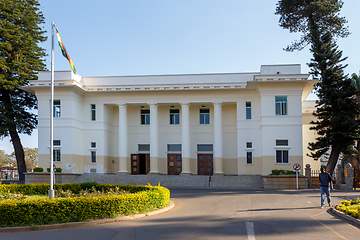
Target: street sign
297, 167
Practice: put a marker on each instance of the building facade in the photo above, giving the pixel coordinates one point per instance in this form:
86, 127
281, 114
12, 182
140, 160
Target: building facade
237, 123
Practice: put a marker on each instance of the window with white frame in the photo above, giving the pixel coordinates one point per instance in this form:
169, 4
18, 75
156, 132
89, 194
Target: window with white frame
282, 142
93, 112
174, 116
93, 156
282, 155
248, 110
57, 152
57, 109
204, 147
249, 155
145, 116
144, 147
204, 116
56, 143
93, 144
281, 105
57, 155
174, 147
249, 159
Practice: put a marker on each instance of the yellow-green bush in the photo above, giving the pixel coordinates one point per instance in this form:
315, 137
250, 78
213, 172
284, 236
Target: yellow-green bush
60, 210
350, 207
43, 188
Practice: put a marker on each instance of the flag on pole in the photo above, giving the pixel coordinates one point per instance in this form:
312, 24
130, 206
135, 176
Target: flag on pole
64, 52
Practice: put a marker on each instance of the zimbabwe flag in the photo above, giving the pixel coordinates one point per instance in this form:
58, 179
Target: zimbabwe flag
64, 52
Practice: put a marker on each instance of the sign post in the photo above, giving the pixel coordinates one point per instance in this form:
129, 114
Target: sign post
297, 168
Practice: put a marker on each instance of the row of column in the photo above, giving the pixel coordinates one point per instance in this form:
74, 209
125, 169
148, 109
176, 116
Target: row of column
185, 138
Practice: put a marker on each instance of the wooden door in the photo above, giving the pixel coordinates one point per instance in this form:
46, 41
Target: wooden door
134, 164
205, 164
147, 163
174, 164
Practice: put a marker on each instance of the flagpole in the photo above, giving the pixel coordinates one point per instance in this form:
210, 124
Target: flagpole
51, 191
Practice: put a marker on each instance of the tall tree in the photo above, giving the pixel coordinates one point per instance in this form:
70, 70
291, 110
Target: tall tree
337, 109
20, 60
356, 84
319, 22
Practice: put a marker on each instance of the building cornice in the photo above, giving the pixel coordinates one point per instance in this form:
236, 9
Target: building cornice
217, 81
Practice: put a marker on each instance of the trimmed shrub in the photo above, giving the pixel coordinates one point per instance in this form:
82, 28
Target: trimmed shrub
282, 172
38, 169
61, 210
58, 170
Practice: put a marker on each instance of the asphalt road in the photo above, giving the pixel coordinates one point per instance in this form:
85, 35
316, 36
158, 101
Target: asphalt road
219, 213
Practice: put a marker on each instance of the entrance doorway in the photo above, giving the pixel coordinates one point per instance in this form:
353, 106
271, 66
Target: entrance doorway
205, 164
140, 163
174, 164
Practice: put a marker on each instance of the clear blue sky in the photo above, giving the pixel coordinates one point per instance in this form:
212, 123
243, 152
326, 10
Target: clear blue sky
146, 37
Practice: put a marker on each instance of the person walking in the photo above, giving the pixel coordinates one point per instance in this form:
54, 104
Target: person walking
325, 187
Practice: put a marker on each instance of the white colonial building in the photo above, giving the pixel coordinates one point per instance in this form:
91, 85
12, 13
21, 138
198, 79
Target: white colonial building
236, 123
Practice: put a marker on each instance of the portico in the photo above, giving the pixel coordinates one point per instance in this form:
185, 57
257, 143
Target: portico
184, 107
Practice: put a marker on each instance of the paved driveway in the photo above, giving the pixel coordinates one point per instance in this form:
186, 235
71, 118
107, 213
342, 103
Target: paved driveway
209, 213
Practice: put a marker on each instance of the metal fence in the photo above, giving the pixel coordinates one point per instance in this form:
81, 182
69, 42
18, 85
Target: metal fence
9, 174
315, 176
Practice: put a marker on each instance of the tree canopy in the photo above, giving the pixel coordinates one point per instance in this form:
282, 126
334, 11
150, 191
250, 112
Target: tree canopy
21, 58
300, 15
337, 108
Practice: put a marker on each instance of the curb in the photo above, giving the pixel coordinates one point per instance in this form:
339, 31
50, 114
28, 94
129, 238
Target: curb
345, 216
89, 223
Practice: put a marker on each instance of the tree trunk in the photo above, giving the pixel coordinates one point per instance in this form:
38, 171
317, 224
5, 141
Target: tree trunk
357, 156
334, 156
15, 139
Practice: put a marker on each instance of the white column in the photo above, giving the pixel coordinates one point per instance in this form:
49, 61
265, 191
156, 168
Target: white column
185, 138
154, 139
123, 139
218, 143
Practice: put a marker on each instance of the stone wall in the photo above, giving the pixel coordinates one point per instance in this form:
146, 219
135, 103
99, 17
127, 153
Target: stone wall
236, 181
153, 179
284, 182
184, 180
41, 177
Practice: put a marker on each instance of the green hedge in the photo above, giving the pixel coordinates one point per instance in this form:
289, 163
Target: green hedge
43, 188
38, 169
282, 172
61, 210
58, 170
